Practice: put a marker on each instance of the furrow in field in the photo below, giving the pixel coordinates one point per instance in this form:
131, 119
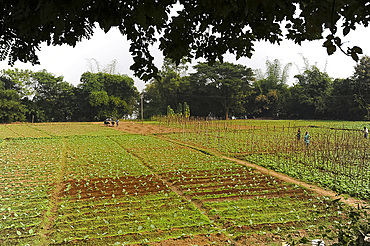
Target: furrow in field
205, 179
107, 193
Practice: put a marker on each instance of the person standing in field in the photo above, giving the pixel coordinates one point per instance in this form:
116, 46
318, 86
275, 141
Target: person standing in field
299, 134
366, 132
117, 122
307, 138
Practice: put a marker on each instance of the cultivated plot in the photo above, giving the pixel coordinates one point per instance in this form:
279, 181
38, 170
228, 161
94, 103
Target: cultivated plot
119, 189
236, 198
27, 169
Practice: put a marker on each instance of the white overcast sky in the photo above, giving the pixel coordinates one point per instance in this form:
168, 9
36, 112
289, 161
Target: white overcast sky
71, 62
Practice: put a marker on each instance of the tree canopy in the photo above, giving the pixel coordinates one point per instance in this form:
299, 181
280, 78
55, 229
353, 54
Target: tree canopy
224, 86
106, 95
223, 90
199, 29
53, 97
41, 97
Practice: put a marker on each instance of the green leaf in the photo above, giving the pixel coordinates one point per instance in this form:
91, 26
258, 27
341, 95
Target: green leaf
304, 240
357, 49
331, 49
30, 231
346, 30
354, 56
19, 233
337, 41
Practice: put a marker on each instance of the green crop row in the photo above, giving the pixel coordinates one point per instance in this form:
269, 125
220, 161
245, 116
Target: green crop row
109, 193
337, 156
124, 217
97, 186
41, 130
201, 178
99, 157
161, 156
26, 166
335, 176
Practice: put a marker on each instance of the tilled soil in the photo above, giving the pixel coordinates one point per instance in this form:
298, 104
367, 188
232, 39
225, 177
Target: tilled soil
220, 239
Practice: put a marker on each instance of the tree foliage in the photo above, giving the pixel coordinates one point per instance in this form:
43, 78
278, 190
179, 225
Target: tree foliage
53, 97
270, 88
310, 95
11, 109
41, 96
361, 79
199, 29
342, 101
222, 91
18, 80
106, 95
166, 90
314, 95
225, 86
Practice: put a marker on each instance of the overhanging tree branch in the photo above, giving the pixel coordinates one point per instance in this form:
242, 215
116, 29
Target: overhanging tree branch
234, 26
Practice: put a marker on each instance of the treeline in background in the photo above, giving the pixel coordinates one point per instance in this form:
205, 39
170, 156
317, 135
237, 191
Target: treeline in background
223, 90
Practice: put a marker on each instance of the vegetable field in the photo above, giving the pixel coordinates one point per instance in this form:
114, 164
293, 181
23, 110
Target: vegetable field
338, 156
86, 184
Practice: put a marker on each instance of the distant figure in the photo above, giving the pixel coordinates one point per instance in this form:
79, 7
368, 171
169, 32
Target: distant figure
299, 134
112, 122
307, 138
366, 132
117, 122
106, 122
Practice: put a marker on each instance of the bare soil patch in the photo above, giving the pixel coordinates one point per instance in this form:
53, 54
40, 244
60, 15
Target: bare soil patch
200, 240
107, 187
137, 127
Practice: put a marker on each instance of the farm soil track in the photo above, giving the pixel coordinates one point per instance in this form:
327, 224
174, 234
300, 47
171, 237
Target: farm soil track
140, 128
267, 239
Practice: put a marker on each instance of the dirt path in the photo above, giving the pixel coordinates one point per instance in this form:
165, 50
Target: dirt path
147, 129
322, 192
138, 127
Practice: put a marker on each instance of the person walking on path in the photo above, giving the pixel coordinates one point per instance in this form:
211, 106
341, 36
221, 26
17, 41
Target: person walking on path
307, 138
117, 122
299, 134
366, 132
